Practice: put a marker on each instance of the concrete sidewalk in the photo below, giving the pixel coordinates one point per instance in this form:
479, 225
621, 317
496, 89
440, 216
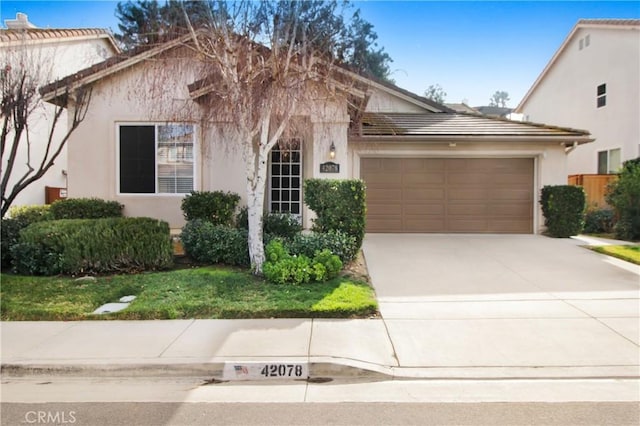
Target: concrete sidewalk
440, 327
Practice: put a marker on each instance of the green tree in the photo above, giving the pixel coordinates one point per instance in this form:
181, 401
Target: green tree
499, 99
436, 93
148, 22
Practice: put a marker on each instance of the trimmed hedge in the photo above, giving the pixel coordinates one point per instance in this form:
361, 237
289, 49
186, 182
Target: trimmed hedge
20, 218
85, 208
217, 207
564, 208
74, 246
207, 243
339, 205
624, 196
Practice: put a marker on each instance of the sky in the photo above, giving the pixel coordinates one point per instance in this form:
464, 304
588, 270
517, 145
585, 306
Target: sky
470, 48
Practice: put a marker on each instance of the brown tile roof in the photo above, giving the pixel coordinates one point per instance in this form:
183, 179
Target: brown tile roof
44, 34
459, 124
624, 22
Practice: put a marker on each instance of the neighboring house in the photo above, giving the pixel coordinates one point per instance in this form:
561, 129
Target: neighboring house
494, 111
53, 53
593, 82
426, 167
461, 107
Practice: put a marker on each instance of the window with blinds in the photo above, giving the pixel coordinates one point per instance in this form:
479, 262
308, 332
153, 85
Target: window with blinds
157, 159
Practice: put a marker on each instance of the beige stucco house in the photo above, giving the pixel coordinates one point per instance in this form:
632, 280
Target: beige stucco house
51, 55
426, 167
593, 82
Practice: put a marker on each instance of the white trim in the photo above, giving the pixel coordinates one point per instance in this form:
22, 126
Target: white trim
196, 146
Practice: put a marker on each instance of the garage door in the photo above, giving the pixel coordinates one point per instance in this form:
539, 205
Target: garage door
475, 195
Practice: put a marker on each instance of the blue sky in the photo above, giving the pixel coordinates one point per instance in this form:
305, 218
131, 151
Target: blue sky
470, 48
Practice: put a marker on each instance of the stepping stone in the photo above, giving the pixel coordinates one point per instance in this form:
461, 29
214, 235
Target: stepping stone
110, 308
127, 299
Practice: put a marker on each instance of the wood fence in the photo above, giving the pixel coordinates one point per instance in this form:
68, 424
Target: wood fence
595, 186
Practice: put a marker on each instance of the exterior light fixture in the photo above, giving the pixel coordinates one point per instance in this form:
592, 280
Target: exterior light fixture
332, 151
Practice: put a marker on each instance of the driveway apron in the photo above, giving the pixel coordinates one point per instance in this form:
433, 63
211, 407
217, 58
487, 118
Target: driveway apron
505, 301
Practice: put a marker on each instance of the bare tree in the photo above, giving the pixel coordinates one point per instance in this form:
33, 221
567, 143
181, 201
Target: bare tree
264, 65
21, 106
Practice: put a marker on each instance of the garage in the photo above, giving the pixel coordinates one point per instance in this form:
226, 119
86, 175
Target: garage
449, 195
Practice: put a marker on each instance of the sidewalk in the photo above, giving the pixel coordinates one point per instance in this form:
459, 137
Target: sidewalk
494, 307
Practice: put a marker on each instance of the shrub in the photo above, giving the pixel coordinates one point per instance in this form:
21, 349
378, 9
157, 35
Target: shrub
339, 206
35, 213
342, 245
563, 207
207, 243
85, 208
20, 218
72, 246
282, 268
216, 207
282, 225
599, 221
624, 196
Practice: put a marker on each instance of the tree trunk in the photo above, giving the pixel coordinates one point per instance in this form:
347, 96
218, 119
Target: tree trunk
256, 188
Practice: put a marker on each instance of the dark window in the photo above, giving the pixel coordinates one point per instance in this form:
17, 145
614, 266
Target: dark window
601, 95
156, 159
137, 159
286, 177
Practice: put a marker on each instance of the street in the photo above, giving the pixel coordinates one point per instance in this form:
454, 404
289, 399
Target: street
193, 401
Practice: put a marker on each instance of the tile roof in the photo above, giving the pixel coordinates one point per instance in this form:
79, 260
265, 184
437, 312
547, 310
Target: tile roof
624, 22
7, 35
458, 124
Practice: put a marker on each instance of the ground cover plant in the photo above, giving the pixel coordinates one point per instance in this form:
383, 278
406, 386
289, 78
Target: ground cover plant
208, 292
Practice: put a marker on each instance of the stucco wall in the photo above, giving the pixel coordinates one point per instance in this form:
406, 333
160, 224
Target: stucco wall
50, 60
132, 97
567, 94
549, 169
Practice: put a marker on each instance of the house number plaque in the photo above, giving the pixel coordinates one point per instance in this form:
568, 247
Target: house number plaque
329, 167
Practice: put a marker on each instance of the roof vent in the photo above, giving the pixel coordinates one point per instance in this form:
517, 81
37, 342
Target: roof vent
20, 23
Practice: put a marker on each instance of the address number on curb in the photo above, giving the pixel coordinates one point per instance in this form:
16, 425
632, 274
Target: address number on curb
265, 371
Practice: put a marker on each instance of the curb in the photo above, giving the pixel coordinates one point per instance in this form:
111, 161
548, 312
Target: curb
321, 371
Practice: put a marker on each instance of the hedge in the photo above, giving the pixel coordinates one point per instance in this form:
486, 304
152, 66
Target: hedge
85, 208
20, 218
564, 208
74, 246
339, 205
207, 243
217, 207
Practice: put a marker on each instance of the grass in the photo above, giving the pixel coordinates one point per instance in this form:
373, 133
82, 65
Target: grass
209, 292
630, 253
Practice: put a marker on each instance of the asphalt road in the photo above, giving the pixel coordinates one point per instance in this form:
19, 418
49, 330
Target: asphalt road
155, 414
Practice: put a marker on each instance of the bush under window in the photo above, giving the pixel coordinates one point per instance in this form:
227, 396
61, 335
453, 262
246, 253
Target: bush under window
217, 207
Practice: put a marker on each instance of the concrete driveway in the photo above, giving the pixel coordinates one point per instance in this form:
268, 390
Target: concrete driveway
506, 301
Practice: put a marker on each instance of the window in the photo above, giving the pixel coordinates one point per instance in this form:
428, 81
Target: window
609, 161
587, 40
156, 159
581, 44
285, 183
601, 95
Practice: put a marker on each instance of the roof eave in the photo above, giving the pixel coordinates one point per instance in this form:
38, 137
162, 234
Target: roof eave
563, 139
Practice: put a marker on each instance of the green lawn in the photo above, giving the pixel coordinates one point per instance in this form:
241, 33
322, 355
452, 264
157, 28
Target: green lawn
630, 253
210, 292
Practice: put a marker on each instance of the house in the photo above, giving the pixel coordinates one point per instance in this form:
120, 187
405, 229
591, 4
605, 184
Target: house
427, 168
593, 82
53, 53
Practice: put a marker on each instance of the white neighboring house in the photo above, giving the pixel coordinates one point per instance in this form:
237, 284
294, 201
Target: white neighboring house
57, 53
593, 82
